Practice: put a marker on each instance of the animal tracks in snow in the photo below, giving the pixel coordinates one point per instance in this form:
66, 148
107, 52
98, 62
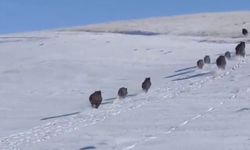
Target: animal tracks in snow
70, 123
75, 122
197, 84
181, 125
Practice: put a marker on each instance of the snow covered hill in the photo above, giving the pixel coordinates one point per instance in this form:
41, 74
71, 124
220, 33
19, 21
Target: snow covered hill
206, 24
46, 78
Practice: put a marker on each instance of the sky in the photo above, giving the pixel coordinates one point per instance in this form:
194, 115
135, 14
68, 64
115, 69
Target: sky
34, 15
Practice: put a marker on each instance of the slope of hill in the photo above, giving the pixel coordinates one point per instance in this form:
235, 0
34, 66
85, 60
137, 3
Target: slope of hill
46, 79
206, 24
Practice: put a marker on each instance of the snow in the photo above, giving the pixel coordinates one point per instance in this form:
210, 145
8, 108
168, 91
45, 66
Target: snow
47, 76
205, 24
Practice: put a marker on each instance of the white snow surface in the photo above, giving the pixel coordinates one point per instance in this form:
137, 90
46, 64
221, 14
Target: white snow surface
206, 24
46, 78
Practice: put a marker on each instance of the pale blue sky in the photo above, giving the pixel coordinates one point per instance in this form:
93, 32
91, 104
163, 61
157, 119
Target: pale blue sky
31, 15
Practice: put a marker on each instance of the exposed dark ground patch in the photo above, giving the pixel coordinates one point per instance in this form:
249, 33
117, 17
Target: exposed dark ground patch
88, 148
135, 32
243, 109
20, 39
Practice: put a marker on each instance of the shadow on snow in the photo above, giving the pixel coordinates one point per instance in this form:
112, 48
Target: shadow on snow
59, 116
185, 69
178, 74
193, 76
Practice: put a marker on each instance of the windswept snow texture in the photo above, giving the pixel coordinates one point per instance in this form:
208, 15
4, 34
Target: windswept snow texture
46, 79
208, 24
